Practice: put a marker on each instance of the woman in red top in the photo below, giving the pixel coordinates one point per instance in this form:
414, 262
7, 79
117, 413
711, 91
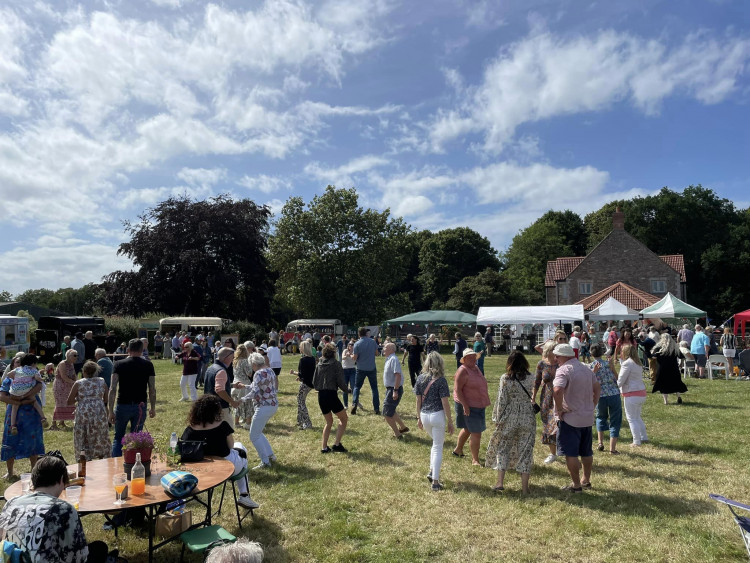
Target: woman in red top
472, 397
190, 367
625, 338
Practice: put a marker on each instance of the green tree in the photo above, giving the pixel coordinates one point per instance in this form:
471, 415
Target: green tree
449, 256
5, 296
219, 268
335, 259
553, 235
40, 297
488, 288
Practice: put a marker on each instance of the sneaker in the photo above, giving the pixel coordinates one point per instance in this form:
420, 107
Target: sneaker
271, 459
377, 413
247, 502
262, 465
339, 448
437, 487
326, 450
550, 459
354, 409
429, 476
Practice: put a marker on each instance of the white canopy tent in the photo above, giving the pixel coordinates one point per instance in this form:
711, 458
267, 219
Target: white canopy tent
613, 310
529, 315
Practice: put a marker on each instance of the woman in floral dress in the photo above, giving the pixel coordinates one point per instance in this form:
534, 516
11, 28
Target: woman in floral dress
243, 373
91, 432
545, 374
512, 442
65, 377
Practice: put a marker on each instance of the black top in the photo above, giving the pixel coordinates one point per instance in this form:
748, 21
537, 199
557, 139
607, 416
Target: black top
306, 369
90, 347
133, 374
415, 353
647, 344
215, 438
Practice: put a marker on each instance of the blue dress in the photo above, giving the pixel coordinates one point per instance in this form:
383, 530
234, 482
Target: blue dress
29, 440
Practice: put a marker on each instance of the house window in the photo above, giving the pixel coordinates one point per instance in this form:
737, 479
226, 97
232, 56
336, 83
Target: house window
585, 288
563, 290
658, 286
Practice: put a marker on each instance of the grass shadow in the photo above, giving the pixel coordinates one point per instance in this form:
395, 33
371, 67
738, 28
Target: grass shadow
666, 460
689, 448
266, 532
644, 505
690, 404
376, 459
288, 473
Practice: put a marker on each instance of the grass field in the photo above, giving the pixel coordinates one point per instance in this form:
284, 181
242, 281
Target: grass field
374, 503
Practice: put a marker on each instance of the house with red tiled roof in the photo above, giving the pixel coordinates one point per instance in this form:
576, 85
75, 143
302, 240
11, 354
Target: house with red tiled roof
619, 266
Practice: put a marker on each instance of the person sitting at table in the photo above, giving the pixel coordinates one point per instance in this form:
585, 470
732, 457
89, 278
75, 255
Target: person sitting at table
45, 527
206, 424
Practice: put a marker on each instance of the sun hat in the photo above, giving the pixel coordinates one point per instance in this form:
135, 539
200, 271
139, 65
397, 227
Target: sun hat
564, 350
467, 352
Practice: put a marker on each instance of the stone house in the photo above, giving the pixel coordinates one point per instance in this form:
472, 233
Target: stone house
620, 257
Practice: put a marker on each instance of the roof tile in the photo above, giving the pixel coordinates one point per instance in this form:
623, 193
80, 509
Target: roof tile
626, 294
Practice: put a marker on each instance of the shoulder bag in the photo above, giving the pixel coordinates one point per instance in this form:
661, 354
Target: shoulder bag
191, 450
537, 408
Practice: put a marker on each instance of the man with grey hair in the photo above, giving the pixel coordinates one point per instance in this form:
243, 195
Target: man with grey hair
219, 380
106, 365
685, 334
131, 379
241, 551
89, 345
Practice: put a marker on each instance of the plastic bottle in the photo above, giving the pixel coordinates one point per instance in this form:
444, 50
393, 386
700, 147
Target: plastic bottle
138, 477
82, 464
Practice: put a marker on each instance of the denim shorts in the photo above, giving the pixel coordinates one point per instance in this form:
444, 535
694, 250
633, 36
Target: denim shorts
474, 423
700, 360
390, 404
574, 441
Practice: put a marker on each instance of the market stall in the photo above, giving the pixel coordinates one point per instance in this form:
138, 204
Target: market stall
14, 336
546, 318
670, 309
613, 310
425, 322
742, 323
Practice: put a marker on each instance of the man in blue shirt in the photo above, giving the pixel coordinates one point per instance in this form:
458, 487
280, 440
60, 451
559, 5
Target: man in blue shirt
699, 348
364, 356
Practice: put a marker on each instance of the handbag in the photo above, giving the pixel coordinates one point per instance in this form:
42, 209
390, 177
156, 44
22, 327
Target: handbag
537, 408
191, 450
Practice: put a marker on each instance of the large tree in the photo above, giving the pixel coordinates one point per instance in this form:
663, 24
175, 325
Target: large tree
489, 288
196, 258
554, 234
335, 259
449, 256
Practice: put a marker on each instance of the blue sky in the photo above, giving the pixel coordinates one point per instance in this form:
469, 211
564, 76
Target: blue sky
477, 113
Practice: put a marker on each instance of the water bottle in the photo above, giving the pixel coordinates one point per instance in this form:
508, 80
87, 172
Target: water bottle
173, 444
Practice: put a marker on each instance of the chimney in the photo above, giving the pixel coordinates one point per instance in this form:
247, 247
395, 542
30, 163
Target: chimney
618, 220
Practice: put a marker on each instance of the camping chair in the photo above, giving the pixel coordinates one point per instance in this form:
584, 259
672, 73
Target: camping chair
742, 521
717, 362
201, 540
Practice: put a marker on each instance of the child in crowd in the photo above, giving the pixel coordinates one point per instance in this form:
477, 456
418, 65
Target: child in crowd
23, 380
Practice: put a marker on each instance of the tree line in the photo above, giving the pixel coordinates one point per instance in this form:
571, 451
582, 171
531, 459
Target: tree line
330, 257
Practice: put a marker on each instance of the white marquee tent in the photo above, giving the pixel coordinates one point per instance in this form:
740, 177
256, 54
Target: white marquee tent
529, 315
613, 310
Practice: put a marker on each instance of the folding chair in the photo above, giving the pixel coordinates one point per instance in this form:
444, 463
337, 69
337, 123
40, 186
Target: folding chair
688, 368
717, 362
201, 539
742, 521
233, 479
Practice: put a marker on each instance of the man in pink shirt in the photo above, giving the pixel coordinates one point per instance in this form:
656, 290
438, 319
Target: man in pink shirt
576, 393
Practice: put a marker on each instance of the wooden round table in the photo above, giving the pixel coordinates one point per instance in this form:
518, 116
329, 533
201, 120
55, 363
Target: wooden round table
98, 493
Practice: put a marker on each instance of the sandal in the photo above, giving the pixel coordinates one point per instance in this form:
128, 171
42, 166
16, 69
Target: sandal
572, 488
497, 489
614, 452
455, 453
586, 485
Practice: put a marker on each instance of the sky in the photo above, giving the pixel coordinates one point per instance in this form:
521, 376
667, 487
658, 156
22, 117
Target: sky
450, 113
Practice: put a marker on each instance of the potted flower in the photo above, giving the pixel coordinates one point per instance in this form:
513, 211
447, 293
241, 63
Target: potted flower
137, 442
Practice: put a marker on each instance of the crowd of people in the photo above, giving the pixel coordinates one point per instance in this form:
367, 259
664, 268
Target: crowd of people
240, 391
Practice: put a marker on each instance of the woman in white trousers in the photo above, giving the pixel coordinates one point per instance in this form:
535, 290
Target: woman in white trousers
434, 410
633, 391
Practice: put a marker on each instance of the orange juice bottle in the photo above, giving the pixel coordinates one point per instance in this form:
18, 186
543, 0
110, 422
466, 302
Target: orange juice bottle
138, 477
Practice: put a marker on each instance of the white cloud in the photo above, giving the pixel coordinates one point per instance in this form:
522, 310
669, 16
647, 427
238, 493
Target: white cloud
264, 183
344, 175
202, 176
484, 14
275, 205
543, 76
13, 35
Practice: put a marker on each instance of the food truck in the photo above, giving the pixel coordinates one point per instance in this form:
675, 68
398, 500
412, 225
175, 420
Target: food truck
14, 336
52, 330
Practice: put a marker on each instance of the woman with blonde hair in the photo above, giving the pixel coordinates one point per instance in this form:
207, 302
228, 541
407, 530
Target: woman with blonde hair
728, 344
243, 373
434, 411
559, 338
90, 431
545, 375
633, 391
304, 373
668, 379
